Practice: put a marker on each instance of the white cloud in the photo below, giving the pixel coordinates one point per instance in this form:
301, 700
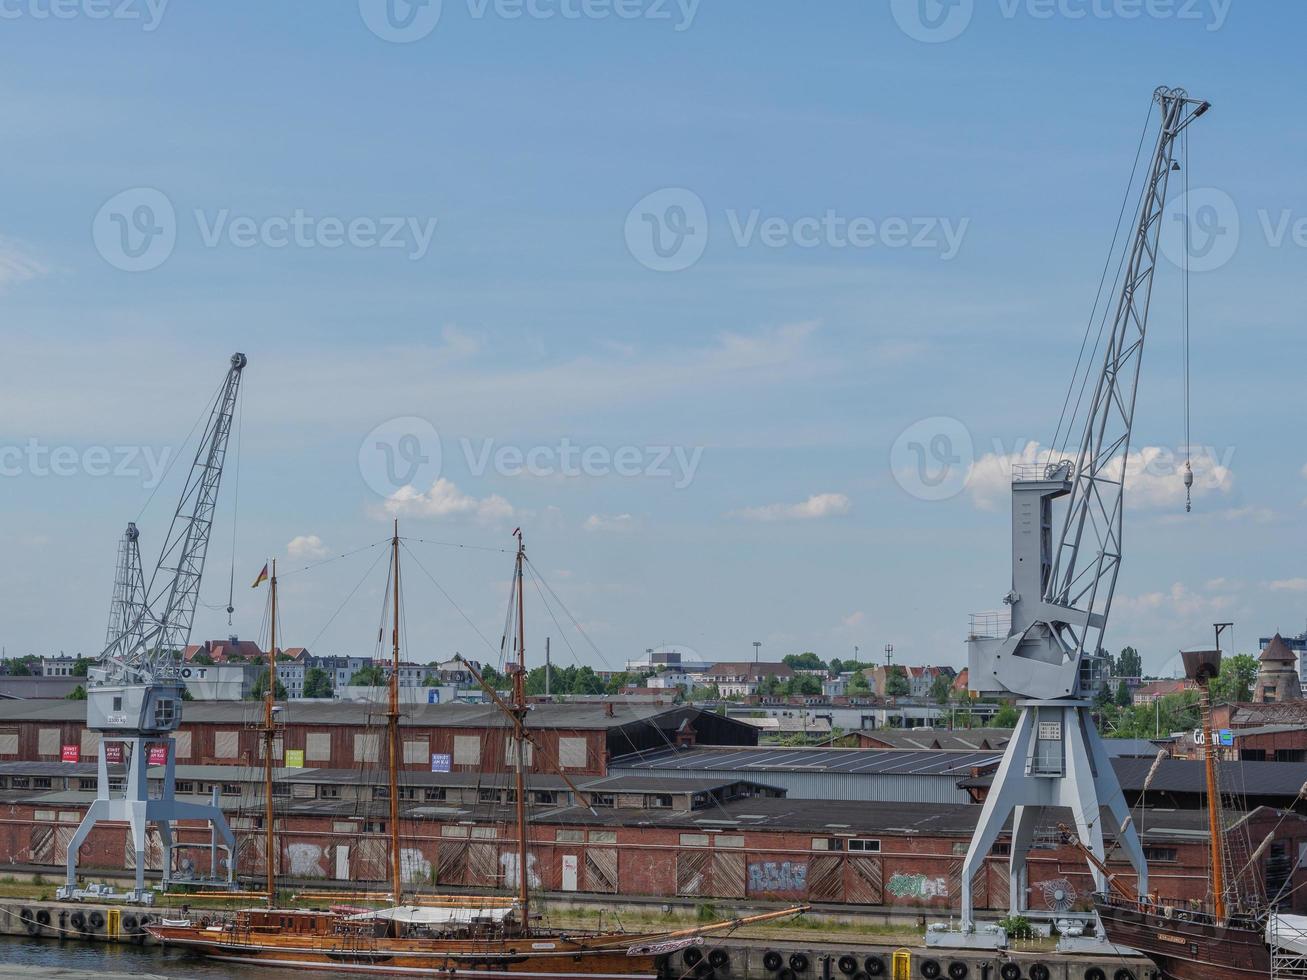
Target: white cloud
854, 619
306, 546
1288, 585
1154, 475
609, 522
817, 506
17, 265
1179, 600
445, 501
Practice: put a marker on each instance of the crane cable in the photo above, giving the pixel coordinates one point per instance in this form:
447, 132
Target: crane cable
235, 507
1184, 330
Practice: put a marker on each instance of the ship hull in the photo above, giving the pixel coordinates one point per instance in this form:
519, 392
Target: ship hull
531, 957
1188, 949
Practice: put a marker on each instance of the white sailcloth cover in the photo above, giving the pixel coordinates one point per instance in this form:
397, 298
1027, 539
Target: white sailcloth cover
1287, 932
435, 915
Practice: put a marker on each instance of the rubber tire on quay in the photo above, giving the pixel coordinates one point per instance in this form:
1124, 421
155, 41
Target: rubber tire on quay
957, 970
1009, 971
43, 918
78, 920
692, 956
930, 969
1039, 972
29, 921
773, 961
96, 919
719, 959
798, 962
1095, 973
874, 965
703, 970
848, 964
787, 974
1123, 974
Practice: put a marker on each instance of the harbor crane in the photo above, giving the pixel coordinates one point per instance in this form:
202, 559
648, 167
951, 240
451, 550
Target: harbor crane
1044, 648
134, 691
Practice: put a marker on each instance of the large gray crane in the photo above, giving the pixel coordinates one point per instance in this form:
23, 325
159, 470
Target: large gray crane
134, 692
1044, 648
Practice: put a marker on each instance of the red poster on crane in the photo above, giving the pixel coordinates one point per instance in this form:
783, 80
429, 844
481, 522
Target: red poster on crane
72, 753
113, 752
158, 755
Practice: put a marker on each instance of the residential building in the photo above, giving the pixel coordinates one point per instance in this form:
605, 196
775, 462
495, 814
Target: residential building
60, 666
667, 658
291, 674
1152, 690
224, 651
1277, 674
738, 679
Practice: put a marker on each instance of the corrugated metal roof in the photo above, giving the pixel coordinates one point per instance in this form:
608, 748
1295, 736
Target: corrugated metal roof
890, 762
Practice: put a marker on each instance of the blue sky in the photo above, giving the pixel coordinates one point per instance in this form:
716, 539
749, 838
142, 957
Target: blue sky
470, 256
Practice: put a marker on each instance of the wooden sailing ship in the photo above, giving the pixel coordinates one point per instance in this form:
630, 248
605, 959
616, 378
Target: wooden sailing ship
453, 936
1218, 941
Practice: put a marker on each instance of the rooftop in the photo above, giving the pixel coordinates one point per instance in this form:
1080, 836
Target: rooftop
896, 762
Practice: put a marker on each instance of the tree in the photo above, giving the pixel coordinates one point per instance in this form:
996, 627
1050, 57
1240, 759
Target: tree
1123, 698
1128, 664
941, 687
261, 686
370, 676
770, 685
203, 659
76, 694
836, 666
858, 684
317, 683
803, 684
896, 682
20, 668
804, 661
493, 677
81, 665
1006, 716
1236, 680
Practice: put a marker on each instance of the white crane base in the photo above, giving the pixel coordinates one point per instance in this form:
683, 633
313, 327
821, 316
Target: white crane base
1055, 759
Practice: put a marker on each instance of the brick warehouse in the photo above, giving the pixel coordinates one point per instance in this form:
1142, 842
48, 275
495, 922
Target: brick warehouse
577, 738
697, 840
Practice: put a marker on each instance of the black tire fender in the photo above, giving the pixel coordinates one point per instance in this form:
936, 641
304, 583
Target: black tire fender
1039, 972
799, 962
1009, 971
874, 965
1123, 974
930, 969
96, 919
693, 956
1095, 973
772, 961
719, 959
957, 970
848, 965
29, 921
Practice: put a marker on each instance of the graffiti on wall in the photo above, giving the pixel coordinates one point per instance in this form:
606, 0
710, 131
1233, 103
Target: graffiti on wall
413, 865
918, 886
508, 865
778, 876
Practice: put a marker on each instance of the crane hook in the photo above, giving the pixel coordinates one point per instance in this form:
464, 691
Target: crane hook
1188, 487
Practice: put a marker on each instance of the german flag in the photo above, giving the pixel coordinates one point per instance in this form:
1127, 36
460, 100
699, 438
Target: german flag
263, 577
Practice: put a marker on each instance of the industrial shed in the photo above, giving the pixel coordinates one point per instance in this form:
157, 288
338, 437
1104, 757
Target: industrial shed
854, 775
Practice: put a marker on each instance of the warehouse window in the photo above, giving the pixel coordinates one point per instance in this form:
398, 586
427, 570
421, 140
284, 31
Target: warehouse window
433, 794
329, 792
226, 745
828, 843
864, 844
231, 789
381, 792
658, 801
280, 789
467, 750
41, 782
181, 745
47, 741
21, 782
603, 837
601, 799
569, 836
8, 741
544, 796
488, 796
572, 753
86, 785
366, 746
1164, 854
317, 747
185, 787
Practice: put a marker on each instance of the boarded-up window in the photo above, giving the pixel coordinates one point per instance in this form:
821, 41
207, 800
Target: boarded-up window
603, 837
344, 827
182, 744
467, 750
416, 751
47, 741
453, 831
727, 840
510, 751
226, 745
572, 753
486, 833
317, 747
9, 741
367, 746
44, 816
569, 836
90, 742
694, 840
303, 791
276, 749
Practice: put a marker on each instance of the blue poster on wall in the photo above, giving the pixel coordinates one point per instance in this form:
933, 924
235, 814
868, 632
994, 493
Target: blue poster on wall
433, 696
1227, 737
439, 762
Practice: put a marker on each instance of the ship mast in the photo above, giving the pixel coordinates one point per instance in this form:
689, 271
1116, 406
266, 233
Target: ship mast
269, 709
1201, 666
392, 728
519, 709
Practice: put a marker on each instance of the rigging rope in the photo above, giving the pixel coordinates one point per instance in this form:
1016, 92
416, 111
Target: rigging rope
1184, 330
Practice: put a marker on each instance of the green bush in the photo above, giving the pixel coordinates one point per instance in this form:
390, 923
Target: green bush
1017, 927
